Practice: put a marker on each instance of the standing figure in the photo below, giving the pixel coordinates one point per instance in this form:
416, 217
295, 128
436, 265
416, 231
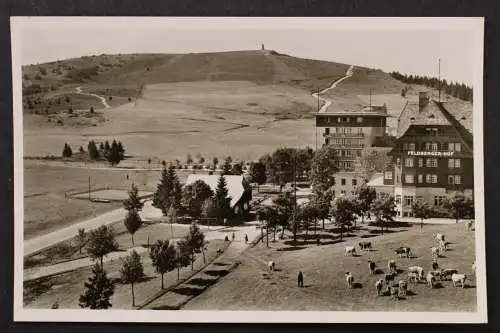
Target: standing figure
246, 238
233, 235
300, 280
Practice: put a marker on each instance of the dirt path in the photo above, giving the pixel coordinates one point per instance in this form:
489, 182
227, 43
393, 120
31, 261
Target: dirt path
334, 84
102, 99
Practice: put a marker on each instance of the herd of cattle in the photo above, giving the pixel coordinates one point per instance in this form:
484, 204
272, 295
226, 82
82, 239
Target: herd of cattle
415, 274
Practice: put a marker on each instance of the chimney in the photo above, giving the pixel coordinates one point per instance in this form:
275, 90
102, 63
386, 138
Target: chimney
422, 100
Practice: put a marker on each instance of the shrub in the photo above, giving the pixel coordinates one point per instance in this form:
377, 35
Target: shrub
38, 77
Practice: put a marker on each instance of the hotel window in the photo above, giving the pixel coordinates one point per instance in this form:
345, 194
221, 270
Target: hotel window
342, 192
451, 180
411, 146
338, 129
438, 200
409, 162
347, 119
457, 163
398, 199
428, 179
434, 146
388, 175
427, 146
458, 179
434, 179
451, 146
347, 130
432, 163
405, 145
354, 182
360, 130
339, 119
408, 200
359, 119
420, 179
458, 147
342, 181
409, 178
420, 162
454, 163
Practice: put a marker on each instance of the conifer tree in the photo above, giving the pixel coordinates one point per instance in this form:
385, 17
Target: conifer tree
163, 256
168, 191
221, 201
132, 271
133, 202
98, 290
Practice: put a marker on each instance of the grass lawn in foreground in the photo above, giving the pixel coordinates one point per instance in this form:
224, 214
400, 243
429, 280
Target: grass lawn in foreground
249, 287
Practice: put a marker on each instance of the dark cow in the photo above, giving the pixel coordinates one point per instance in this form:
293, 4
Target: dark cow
401, 251
389, 277
447, 273
365, 245
371, 266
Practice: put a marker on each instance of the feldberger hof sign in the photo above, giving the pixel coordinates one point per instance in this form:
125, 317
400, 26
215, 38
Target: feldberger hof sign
431, 153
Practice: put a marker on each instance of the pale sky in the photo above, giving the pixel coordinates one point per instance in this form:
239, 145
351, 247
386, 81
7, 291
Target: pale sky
409, 45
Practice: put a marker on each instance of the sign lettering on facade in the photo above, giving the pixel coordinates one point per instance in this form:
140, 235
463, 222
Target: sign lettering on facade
431, 153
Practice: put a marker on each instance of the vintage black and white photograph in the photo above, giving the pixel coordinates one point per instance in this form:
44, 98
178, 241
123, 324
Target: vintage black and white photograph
195, 169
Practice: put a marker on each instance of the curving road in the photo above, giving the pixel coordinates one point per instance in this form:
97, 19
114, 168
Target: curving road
102, 99
327, 102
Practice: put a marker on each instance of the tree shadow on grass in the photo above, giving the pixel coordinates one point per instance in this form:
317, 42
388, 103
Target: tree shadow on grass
188, 291
367, 236
399, 271
291, 248
469, 286
380, 232
357, 285
219, 273
35, 288
438, 285
378, 271
410, 293
220, 264
166, 307
202, 282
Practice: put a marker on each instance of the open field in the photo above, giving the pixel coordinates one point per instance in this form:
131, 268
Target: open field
66, 288
324, 267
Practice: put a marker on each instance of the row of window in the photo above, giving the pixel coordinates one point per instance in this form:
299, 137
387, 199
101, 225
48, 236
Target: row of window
343, 182
347, 141
453, 163
431, 179
344, 119
345, 130
408, 200
432, 146
348, 153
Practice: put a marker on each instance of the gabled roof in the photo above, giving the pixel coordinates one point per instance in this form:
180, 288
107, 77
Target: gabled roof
234, 183
456, 114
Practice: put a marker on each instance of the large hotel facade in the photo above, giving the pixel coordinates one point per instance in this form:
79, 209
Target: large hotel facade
432, 157
349, 133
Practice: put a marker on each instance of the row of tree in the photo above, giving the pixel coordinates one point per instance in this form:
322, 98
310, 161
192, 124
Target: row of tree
196, 199
113, 153
458, 90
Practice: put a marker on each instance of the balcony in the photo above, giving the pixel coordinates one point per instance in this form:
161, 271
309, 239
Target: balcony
346, 146
343, 135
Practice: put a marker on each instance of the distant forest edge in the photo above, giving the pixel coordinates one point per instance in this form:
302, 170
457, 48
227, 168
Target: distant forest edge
458, 90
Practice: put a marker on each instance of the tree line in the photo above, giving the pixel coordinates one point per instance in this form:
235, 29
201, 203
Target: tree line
455, 89
113, 153
165, 255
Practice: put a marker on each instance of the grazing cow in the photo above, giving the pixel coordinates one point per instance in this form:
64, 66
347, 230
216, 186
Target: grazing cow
417, 270
371, 266
391, 265
412, 277
470, 225
430, 280
349, 279
403, 287
436, 273
378, 286
434, 265
350, 250
365, 245
403, 250
458, 278
435, 251
389, 277
270, 265
447, 273
394, 292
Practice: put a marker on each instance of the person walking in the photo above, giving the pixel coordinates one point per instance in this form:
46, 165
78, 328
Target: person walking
233, 235
300, 280
246, 238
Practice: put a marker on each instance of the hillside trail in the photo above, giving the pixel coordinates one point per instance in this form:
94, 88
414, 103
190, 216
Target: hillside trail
327, 102
102, 99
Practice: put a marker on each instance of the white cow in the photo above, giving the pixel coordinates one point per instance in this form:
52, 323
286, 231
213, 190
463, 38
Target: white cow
391, 265
270, 265
403, 287
435, 251
458, 278
417, 270
440, 237
412, 277
350, 250
349, 279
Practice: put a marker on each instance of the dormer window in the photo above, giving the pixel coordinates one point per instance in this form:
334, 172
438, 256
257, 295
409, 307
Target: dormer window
431, 116
412, 118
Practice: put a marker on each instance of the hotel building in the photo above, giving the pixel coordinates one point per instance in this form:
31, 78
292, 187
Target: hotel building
349, 132
433, 155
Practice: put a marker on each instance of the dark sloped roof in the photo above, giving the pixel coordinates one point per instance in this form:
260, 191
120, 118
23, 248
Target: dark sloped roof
461, 111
